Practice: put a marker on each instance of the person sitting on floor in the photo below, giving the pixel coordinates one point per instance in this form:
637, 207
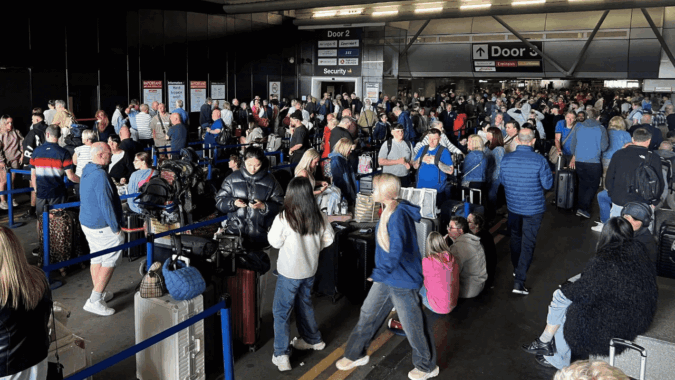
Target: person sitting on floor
467, 249
614, 297
477, 226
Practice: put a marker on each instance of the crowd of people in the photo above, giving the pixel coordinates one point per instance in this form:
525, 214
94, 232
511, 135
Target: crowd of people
610, 140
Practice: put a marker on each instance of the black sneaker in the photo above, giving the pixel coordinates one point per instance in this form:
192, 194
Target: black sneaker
537, 347
30, 214
542, 361
520, 289
583, 213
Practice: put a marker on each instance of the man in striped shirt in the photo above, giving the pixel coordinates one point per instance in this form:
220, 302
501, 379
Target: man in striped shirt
143, 119
49, 163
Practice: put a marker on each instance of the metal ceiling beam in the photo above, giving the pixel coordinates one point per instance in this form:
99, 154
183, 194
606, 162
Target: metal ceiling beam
587, 44
287, 5
659, 36
498, 10
530, 45
412, 41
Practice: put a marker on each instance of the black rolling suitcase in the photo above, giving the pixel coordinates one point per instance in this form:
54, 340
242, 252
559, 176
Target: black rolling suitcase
133, 220
327, 274
357, 260
565, 186
665, 262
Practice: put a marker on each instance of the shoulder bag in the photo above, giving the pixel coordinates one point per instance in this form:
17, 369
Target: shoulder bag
554, 153
182, 281
153, 284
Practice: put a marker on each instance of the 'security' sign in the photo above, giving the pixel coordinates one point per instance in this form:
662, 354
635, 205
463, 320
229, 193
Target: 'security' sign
338, 52
506, 57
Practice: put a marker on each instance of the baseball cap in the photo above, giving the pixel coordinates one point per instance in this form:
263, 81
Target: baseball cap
638, 211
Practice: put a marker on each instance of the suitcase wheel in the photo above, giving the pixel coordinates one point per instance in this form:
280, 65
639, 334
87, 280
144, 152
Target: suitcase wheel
143, 269
252, 348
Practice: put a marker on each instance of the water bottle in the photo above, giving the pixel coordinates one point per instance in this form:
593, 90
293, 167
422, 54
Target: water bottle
343, 207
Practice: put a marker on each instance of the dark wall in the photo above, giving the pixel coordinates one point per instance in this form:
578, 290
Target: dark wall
103, 62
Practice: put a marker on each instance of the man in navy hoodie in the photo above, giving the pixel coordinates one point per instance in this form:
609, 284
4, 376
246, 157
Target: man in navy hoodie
101, 217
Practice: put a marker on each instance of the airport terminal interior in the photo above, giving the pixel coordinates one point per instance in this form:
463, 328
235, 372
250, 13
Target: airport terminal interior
464, 67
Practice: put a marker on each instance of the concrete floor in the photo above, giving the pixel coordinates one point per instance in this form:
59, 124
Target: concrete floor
480, 339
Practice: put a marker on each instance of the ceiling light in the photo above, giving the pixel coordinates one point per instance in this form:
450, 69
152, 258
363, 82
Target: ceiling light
384, 13
347, 12
325, 13
528, 2
436, 3
420, 10
474, 6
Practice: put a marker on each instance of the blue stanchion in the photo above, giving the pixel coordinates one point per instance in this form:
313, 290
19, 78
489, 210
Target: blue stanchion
191, 227
45, 238
225, 323
105, 363
150, 247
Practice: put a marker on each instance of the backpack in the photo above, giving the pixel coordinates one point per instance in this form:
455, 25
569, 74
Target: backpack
155, 195
390, 143
437, 157
273, 142
646, 181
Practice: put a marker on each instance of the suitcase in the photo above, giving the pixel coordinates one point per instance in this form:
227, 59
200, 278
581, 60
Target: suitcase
622, 342
246, 293
357, 260
133, 220
452, 208
423, 228
328, 271
665, 262
180, 356
565, 186
62, 225
366, 185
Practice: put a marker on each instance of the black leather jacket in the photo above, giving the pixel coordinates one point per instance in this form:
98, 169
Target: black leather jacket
24, 336
242, 185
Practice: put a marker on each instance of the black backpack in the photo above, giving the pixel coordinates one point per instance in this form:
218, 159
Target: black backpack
646, 181
155, 194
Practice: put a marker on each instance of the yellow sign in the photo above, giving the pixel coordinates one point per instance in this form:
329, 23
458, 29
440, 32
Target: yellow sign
528, 63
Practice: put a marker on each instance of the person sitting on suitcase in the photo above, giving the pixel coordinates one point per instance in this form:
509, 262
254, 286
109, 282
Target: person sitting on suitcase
300, 231
101, 219
434, 164
614, 297
397, 279
466, 247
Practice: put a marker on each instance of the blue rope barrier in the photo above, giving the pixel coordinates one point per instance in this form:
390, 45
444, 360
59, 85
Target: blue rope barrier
16, 191
191, 227
105, 363
77, 260
19, 171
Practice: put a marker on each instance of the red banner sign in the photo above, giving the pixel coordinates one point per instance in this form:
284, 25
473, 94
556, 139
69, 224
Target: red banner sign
154, 84
198, 84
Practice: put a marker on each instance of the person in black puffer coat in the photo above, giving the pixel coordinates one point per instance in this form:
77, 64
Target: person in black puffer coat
614, 297
251, 183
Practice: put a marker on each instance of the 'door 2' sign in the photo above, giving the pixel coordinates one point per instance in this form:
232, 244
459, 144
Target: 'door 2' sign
338, 52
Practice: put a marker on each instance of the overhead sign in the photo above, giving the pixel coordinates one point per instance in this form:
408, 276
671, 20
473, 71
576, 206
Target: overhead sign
342, 43
152, 91
506, 57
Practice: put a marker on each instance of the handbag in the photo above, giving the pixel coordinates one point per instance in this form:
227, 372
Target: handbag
182, 281
153, 284
261, 121
366, 209
554, 153
365, 164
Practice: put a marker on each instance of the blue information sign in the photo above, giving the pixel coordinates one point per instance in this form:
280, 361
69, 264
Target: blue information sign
348, 52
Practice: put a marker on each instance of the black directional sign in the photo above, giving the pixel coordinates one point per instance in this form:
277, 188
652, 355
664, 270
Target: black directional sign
338, 52
506, 57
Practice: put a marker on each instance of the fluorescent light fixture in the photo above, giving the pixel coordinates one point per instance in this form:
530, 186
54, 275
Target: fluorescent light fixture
353, 11
372, 61
436, 3
422, 10
385, 13
325, 13
528, 2
475, 6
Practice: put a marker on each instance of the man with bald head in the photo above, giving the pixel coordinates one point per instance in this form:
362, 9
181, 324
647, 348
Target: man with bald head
101, 217
128, 144
177, 134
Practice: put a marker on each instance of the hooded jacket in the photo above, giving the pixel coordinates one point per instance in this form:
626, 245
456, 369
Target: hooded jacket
401, 267
100, 204
471, 259
343, 176
243, 185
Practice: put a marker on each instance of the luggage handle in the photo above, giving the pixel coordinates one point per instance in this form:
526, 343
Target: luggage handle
184, 259
471, 192
626, 343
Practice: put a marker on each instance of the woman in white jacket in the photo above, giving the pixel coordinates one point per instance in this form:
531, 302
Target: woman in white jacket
300, 231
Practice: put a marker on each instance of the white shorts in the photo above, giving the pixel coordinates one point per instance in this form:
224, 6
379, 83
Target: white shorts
104, 238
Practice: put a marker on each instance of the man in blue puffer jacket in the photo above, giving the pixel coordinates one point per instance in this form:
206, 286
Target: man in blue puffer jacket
404, 120
525, 176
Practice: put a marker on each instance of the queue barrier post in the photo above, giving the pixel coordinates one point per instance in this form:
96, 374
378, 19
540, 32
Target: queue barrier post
45, 237
150, 245
10, 209
154, 156
208, 175
226, 330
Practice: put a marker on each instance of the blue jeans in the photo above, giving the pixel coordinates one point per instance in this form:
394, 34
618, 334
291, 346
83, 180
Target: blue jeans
375, 309
605, 203
557, 311
492, 193
425, 300
524, 231
289, 293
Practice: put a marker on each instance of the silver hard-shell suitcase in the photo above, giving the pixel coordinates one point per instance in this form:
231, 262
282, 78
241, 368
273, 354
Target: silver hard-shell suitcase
178, 357
627, 343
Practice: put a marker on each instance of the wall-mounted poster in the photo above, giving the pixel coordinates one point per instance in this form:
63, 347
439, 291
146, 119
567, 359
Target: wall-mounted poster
176, 92
197, 94
372, 92
152, 91
218, 91
275, 89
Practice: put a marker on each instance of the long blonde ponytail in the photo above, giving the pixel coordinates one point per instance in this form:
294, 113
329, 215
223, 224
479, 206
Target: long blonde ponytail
386, 189
21, 285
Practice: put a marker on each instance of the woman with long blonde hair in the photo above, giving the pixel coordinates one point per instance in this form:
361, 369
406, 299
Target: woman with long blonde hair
25, 306
397, 279
307, 168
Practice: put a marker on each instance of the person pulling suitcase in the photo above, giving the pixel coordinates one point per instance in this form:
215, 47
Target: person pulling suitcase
300, 231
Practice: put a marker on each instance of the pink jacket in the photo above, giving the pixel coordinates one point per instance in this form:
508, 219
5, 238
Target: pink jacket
442, 282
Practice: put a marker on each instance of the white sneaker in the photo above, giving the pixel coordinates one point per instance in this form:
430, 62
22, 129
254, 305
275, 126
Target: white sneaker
4, 205
107, 296
15, 203
282, 362
345, 364
598, 227
416, 374
300, 344
99, 307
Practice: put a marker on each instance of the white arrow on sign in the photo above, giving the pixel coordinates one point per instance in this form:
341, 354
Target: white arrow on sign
480, 51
